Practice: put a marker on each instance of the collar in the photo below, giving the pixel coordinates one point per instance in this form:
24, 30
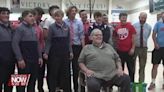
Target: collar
26, 24
72, 20
5, 24
103, 45
59, 25
96, 24
87, 22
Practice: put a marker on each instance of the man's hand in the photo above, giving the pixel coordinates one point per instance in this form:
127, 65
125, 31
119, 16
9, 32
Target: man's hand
156, 46
71, 56
131, 52
21, 64
89, 73
40, 62
45, 56
120, 72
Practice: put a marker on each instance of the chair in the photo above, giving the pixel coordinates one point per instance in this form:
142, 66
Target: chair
83, 84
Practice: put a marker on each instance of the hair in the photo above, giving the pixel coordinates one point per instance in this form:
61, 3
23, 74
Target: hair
81, 11
17, 2
2, 9
59, 12
97, 14
20, 19
26, 12
69, 10
38, 10
52, 8
123, 14
94, 31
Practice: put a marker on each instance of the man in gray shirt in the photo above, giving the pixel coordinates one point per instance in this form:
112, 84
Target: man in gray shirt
102, 66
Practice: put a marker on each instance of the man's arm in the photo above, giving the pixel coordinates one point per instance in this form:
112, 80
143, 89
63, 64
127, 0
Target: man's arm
154, 40
88, 72
119, 68
133, 45
15, 44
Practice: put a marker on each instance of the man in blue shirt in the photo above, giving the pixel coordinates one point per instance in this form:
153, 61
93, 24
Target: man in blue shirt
158, 52
77, 41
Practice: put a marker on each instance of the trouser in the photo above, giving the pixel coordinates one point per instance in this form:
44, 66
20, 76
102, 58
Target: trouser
40, 76
129, 59
6, 69
82, 81
142, 55
59, 66
95, 84
32, 69
75, 66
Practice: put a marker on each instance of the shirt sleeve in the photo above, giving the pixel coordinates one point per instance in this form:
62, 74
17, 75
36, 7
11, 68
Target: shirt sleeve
116, 56
81, 30
69, 37
48, 42
46, 24
155, 27
15, 43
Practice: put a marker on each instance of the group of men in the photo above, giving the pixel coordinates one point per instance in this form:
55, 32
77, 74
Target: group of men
97, 49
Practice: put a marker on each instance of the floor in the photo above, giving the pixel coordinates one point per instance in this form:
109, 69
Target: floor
159, 79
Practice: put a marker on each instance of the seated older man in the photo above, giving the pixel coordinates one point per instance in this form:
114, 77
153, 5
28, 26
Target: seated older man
102, 66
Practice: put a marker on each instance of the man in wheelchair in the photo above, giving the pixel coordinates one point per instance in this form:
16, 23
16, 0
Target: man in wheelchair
102, 66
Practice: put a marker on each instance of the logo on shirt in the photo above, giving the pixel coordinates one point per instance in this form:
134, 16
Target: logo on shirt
19, 80
123, 33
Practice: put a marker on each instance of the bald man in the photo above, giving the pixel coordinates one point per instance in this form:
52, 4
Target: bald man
143, 30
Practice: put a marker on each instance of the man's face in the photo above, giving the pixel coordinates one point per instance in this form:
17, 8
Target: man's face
98, 19
73, 12
97, 37
83, 16
38, 17
4, 16
29, 19
105, 19
163, 16
123, 19
142, 19
58, 18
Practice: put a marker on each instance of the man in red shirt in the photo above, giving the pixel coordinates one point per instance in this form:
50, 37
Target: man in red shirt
124, 35
86, 24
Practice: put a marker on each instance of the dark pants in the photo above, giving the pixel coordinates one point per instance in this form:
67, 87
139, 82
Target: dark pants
82, 81
32, 69
40, 77
75, 67
59, 66
6, 69
95, 84
129, 59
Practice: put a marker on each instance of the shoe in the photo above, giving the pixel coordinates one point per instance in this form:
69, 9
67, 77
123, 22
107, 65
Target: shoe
151, 87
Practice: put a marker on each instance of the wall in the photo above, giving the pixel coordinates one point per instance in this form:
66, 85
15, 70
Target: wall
135, 6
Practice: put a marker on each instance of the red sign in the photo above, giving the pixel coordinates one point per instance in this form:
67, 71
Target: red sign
19, 80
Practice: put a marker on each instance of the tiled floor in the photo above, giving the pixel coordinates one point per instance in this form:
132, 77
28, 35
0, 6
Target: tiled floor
159, 79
